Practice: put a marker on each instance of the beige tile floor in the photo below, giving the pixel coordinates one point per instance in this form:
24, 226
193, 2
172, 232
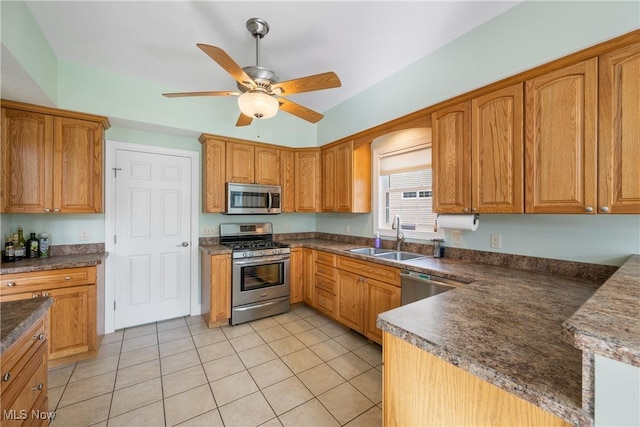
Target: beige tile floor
295, 369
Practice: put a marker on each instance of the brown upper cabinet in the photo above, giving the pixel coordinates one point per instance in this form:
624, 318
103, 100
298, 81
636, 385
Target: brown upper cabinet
307, 180
560, 142
619, 131
346, 177
287, 176
52, 160
213, 174
252, 164
477, 154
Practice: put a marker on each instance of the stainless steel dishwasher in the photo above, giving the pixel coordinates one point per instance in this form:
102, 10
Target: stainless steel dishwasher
416, 286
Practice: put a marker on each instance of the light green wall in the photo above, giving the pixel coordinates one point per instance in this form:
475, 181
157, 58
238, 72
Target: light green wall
617, 387
527, 35
22, 36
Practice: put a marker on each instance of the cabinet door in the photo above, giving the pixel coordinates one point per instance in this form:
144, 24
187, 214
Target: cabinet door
496, 152
213, 175
287, 176
329, 179
344, 177
351, 300
267, 165
240, 163
309, 277
451, 163
27, 149
307, 183
220, 287
296, 275
560, 140
77, 166
619, 131
72, 322
379, 297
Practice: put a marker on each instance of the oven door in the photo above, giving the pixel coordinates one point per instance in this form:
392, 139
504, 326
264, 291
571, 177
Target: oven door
259, 279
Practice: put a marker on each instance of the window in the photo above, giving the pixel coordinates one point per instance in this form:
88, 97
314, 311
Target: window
403, 184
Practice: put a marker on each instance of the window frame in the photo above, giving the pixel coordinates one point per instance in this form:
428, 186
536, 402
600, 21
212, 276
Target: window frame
412, 140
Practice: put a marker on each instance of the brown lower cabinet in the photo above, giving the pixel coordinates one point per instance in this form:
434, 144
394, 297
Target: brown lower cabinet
434, 392
72, 319
24, 378
351, 291
216, 289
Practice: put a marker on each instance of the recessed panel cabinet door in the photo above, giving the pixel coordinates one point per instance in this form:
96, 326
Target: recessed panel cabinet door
329, 179
240, 163
213, 175
619, 131
267, 165
287, 176
451, 163
560, 141
73, 321
27, 150
307, 183
496, 151
77, 166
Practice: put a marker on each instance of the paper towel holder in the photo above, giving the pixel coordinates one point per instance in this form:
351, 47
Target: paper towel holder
476, 218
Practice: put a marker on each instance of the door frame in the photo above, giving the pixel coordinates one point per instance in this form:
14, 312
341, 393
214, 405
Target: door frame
110, 222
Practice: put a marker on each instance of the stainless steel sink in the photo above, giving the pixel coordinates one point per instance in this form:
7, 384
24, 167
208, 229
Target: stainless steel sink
370, 251
400, 256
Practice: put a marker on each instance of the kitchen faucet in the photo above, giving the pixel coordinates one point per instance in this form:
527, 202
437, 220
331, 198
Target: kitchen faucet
399, 236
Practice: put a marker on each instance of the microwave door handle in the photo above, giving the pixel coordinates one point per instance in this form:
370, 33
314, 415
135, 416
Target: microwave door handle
270, 201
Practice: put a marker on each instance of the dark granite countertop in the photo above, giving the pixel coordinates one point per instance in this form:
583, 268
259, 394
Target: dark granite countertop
53, 263
18, 316
214, 249
609, 323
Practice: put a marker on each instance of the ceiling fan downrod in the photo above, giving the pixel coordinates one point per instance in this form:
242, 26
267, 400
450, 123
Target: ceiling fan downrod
258, 28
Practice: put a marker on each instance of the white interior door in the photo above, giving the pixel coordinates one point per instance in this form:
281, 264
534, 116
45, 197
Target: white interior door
152, 253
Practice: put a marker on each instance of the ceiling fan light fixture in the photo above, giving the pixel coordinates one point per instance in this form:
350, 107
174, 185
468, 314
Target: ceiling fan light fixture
258, 104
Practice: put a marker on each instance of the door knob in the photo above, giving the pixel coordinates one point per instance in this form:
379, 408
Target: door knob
183, 244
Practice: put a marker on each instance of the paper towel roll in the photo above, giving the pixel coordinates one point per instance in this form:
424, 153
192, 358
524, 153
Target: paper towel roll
459, 222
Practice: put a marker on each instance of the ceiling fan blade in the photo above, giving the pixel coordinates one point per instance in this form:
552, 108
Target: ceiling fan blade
229, 65
299, 110
307, 84
214, 93
243, 120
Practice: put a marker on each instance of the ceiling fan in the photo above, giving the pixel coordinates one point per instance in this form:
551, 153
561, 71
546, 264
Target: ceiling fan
261, 94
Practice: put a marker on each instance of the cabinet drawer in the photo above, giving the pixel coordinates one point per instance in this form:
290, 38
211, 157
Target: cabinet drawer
39, 280
328, 285
369, 269
326, 302
326, 258
16, 357
321, 270
33, 385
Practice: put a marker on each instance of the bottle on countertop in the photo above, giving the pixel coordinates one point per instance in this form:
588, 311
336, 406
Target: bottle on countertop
21, 247
377, 242
44, 245
33, 246
9, 251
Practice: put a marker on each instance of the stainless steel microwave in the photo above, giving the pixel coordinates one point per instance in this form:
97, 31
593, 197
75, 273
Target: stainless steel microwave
253, 199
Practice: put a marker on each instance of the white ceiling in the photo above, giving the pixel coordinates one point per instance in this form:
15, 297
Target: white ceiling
362, 41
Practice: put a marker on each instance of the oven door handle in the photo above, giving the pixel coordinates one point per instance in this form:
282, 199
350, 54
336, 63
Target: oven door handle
260, 260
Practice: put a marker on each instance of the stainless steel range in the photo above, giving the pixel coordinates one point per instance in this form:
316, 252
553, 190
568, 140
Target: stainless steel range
259, 271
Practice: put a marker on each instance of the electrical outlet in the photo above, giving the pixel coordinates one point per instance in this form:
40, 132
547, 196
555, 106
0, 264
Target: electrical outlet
347, 228
209, 231
496, 241
84, 234
457, 237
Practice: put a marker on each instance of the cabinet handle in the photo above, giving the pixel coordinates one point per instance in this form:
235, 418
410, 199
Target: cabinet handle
45, 294
38, 387
47, 210
604, 209
465, 210
35, 296
11, 284
67, 277
56, 210
38, 337
474, 210
588, 209
6, 377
